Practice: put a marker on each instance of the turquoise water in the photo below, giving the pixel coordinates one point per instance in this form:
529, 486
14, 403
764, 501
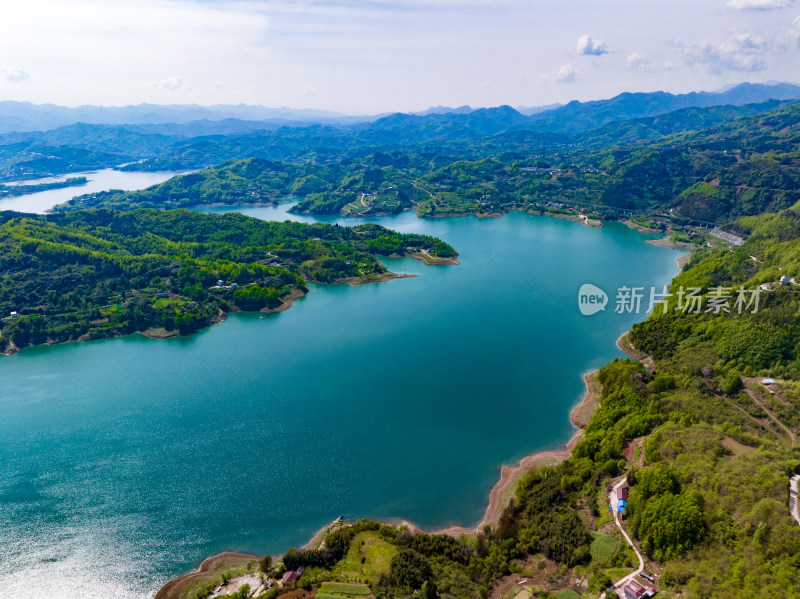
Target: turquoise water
124, 462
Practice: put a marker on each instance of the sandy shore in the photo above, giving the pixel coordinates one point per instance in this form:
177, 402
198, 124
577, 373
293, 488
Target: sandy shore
579, 417
426, 258
683, 260
356, 281
667, 242
503, 490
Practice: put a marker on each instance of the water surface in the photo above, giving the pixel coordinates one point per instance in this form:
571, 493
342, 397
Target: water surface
101, 180
124, 462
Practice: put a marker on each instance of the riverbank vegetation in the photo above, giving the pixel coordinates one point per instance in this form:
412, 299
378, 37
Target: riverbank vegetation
99, 273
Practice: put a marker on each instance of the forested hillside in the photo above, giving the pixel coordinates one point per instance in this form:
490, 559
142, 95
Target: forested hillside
93, 274
743, 167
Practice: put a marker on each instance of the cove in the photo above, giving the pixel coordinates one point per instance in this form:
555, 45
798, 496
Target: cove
124, 462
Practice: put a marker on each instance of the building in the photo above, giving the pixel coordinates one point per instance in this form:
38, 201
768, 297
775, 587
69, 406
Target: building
785, 280
15, 314
289, 577
633, 590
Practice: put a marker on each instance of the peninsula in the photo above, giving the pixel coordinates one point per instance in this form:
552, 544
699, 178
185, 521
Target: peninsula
100, 273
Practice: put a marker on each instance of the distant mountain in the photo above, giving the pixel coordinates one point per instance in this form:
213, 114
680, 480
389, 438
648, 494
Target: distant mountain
403, 128
25, 116
678, 121
445, 110
582, 116
529, 110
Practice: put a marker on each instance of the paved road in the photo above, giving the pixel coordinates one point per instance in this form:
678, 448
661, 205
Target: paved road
613, 499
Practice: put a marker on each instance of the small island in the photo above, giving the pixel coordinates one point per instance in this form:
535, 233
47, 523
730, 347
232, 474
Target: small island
93, 274
12, 191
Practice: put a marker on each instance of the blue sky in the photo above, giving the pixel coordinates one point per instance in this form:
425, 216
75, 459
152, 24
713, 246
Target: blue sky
363, 56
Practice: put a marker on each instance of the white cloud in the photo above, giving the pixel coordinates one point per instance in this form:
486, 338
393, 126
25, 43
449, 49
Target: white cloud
170, 83
14, 74
565, 74
588, 47
637, 61
758, 4
742, 53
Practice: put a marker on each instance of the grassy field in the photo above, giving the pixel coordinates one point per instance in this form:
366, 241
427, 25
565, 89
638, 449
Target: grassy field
344, 588
602, 547
568, 594
375, 552
602, 506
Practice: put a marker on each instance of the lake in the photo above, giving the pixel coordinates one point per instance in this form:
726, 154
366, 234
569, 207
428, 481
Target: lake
101, 180
124, 462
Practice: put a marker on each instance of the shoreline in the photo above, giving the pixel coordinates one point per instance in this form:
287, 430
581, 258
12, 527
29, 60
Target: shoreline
667, 242
429, 260
357, 281
160, 333
624, 345
501, 493
503, 489
207, 565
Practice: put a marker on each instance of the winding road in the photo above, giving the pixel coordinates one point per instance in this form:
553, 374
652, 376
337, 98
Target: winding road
613, 500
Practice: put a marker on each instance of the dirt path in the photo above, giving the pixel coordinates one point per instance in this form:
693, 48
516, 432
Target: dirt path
754, 396
625, 345
626, 579
793, 507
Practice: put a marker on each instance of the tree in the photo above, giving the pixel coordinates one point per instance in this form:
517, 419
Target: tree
409, 569
265, 564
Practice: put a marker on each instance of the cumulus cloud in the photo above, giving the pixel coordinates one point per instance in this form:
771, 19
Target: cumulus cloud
758, 4
743, 53
637, 61
14, 74
565, 74
588, 47
171, 83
